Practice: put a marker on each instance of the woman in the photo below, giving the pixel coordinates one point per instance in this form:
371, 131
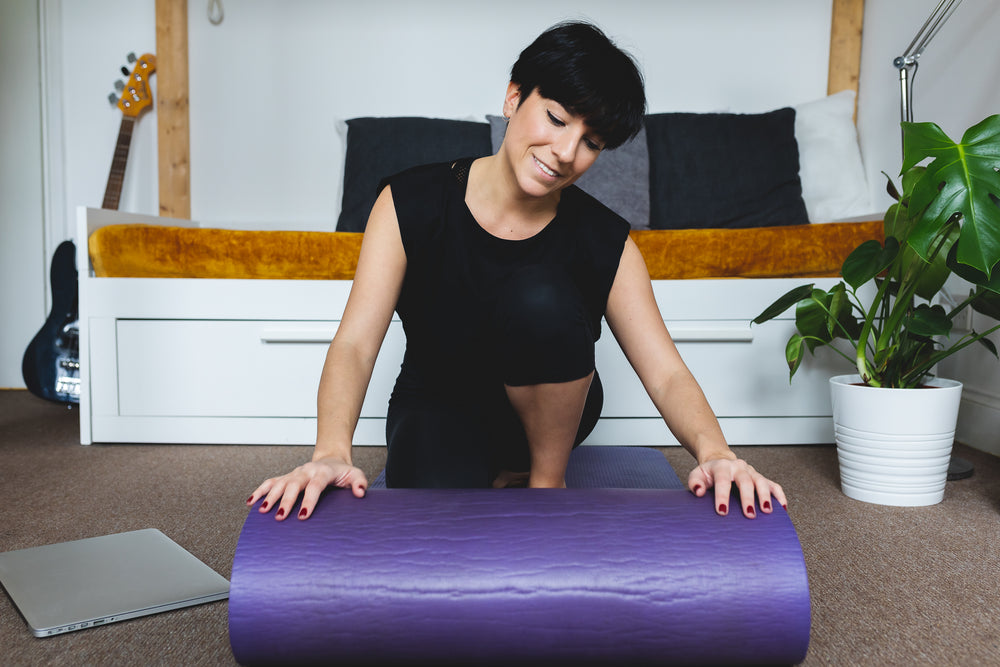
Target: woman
501, 271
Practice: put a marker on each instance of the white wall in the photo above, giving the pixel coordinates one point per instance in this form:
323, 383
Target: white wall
269, 85
955, 85
22, 246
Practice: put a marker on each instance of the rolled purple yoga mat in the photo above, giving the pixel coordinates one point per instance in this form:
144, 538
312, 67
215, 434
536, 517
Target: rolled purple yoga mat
574, 576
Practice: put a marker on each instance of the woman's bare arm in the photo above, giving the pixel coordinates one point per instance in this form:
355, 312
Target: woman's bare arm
636, 322
347, 370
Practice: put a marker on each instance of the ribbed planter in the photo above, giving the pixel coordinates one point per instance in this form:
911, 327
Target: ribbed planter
894, 445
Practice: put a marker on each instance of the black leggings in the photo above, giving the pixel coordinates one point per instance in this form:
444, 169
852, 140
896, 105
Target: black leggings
542, 335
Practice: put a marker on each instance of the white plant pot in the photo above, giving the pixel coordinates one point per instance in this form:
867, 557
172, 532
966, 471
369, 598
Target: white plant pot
894, 445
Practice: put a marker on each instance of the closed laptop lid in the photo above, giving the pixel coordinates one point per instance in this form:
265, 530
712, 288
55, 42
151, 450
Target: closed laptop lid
74, 585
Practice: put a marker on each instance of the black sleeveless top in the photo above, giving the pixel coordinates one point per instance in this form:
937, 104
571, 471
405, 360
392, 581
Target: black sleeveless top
455, 269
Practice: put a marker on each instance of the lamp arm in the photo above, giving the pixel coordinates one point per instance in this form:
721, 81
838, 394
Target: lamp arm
907, 63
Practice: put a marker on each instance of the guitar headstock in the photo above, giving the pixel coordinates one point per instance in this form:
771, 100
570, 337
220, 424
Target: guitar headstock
135, 94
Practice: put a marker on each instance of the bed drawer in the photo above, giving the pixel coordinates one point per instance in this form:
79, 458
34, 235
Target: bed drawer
740, 368
195, 368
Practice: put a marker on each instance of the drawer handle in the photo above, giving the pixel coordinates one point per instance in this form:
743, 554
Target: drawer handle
710, 334
280, 336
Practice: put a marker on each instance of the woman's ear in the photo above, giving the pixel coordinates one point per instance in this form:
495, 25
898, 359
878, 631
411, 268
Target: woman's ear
511, 99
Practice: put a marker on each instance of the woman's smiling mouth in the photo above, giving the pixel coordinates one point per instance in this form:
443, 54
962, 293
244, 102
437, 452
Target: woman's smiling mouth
545, 169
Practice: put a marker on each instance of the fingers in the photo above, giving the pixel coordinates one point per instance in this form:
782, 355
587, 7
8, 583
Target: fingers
357, 482
259, 492
723, 487
309, 499
309, 481
745, 484
750, 485
699, 482
354, 479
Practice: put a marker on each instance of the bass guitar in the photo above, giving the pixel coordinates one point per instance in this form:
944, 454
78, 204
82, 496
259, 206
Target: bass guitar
51, 363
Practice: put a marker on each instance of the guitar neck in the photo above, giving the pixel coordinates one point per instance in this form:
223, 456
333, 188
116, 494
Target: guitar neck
113, 191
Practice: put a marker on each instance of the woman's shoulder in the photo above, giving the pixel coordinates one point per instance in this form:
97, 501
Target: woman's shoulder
419, 178
597, 217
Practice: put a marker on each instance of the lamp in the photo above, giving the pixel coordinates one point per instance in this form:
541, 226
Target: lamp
907, 65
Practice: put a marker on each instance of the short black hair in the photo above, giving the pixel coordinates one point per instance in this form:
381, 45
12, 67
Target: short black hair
575, 64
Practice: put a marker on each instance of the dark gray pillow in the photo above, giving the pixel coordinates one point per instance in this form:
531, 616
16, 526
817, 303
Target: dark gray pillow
719, 170
380, 147
619, 179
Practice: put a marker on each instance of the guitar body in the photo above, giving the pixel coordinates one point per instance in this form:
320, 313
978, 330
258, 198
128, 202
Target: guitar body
51, 364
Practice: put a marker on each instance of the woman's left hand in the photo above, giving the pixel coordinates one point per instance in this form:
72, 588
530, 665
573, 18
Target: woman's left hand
723, 474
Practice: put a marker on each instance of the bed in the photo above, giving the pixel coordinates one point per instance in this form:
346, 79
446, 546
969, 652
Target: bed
194, 334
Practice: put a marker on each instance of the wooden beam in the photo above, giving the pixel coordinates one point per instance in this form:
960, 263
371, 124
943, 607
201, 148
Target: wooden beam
845, 46
173, 124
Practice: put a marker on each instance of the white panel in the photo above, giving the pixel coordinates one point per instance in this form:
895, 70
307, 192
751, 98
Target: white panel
100, 369
651, 432
224, 430
235, 369
740, 378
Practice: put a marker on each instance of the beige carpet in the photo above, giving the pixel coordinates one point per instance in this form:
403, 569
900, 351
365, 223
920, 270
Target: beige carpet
889, 586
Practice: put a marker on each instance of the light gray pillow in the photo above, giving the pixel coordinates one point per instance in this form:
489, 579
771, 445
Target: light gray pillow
619, 179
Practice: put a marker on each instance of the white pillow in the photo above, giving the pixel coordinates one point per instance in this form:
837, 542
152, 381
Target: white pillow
834, 186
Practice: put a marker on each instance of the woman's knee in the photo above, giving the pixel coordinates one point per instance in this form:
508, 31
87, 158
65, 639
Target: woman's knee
429, 448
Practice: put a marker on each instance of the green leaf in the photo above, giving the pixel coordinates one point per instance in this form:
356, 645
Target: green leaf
868, 260
794, 354
962, 179
895, 222
988, 304
974, 276
899, 219
890, 187
988, 344
934, 274
783, 303
928, 321
811, 318
840, 305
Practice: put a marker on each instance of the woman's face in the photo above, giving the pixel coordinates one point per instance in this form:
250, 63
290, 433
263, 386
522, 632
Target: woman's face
548, 147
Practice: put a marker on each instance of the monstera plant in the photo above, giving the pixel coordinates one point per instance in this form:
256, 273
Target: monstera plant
889, 316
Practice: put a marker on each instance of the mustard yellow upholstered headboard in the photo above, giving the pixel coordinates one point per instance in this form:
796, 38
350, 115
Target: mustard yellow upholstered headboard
151, 251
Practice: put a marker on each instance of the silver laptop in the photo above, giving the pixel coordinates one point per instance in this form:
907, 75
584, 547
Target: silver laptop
75, 585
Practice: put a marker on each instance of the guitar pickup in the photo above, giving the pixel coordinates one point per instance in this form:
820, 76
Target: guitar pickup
67, 386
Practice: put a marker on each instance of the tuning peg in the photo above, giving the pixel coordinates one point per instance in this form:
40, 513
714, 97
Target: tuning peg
125, 71
113, 99
119, 86
131, 58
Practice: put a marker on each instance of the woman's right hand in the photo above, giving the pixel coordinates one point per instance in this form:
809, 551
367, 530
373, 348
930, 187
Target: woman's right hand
309, 479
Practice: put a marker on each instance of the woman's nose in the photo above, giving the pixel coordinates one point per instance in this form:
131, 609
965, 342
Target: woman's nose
565, 147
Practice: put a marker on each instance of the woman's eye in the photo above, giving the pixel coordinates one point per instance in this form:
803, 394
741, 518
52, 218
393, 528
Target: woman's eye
555, 121
592, 145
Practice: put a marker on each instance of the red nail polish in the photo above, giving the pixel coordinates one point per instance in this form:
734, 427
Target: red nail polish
722, 508
250, 500
281, 513
697, 488
302, 513
766, 505
751, 511
263, 505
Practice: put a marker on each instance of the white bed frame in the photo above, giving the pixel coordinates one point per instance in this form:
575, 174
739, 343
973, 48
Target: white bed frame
180, 360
